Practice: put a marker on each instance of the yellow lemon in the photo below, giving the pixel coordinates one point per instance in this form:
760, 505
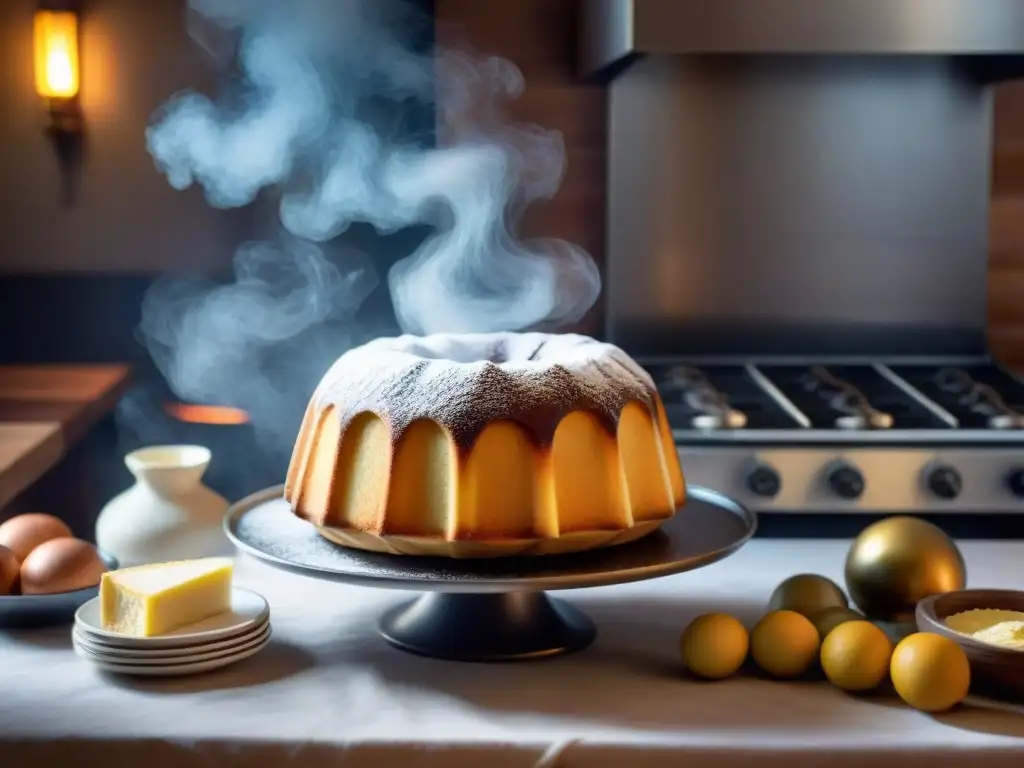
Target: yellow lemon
714, 645
784, 643
855, 656
930, 672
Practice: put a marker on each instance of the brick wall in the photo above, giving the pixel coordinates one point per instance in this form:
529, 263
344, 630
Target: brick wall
540, 37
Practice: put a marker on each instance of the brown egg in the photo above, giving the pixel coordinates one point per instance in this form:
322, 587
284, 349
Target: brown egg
61, 565
10, 570
23, 533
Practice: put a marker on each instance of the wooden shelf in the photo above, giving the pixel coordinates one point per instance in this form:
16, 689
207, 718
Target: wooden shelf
44, 411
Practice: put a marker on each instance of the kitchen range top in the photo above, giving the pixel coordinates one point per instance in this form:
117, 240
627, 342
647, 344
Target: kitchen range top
850, 436
855, 402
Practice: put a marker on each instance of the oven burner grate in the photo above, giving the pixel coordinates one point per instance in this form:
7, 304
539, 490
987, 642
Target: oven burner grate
833, 397
978, 398
727, 398
853, 409
842, 397
711, 405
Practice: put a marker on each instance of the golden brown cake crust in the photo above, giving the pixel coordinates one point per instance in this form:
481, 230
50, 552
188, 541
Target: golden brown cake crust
464, 383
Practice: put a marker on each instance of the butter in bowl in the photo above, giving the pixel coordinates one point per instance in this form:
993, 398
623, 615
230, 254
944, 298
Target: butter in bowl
171, 619
989, 625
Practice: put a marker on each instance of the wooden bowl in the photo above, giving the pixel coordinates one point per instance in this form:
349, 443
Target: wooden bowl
995, 670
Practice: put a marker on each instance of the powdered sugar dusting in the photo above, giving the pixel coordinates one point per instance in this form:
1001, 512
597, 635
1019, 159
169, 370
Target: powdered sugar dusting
466, 381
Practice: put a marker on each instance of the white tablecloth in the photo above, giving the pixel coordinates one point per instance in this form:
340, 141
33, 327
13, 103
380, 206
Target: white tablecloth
330, 687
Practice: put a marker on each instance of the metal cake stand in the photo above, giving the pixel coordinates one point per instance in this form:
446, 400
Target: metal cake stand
491, 609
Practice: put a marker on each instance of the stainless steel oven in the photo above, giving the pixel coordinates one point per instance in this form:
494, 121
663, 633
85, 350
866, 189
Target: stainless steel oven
797, 235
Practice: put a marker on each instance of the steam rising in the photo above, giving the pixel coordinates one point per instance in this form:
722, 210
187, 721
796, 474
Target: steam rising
306, 120
257, 342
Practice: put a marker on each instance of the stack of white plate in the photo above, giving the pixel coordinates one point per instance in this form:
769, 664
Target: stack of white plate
202, 647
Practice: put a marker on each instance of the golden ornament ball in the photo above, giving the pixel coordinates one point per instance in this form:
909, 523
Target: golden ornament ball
829, 618
898, 561
807, 593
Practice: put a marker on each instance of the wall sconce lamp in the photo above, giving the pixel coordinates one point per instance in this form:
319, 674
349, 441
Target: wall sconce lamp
58, 68
58, 78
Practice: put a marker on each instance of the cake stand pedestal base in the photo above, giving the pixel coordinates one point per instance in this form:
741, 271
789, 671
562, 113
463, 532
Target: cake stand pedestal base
487, 627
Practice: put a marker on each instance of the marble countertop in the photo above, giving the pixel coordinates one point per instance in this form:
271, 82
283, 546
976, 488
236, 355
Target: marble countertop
329, 685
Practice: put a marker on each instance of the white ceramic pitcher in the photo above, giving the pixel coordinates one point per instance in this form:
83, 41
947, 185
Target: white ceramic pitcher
168, 514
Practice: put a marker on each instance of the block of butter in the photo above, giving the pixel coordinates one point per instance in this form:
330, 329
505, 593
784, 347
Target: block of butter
152, 600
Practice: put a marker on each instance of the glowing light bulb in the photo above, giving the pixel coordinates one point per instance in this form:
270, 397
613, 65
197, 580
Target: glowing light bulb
56, 50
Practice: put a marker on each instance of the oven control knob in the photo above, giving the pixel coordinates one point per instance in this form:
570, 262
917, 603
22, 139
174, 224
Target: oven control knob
1015, 482
944, 481
763, 481
846, 481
